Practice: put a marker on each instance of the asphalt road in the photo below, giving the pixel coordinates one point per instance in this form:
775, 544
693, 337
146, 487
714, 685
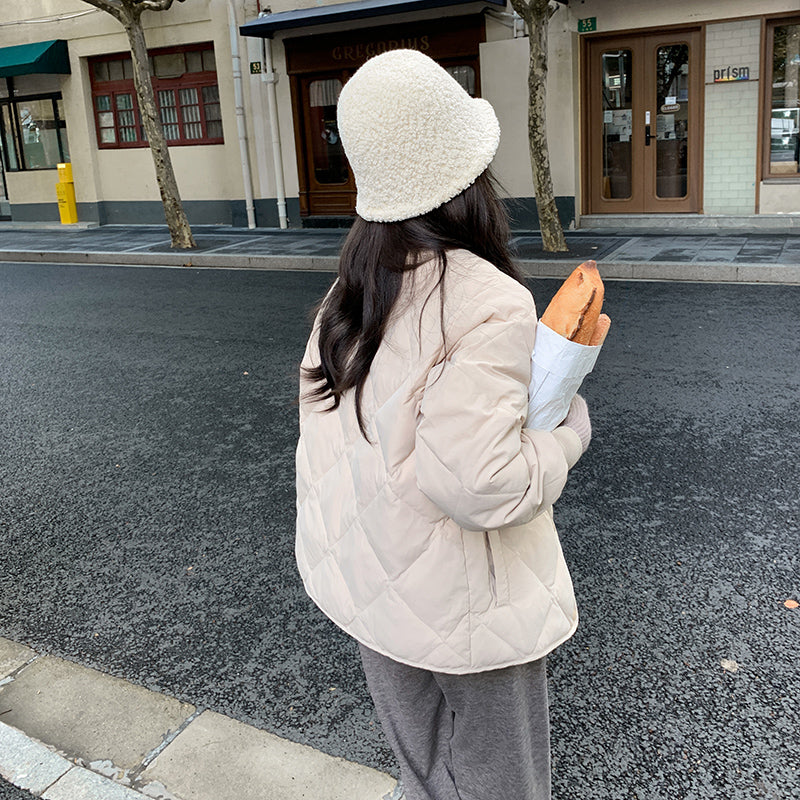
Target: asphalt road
146, 520
10, 792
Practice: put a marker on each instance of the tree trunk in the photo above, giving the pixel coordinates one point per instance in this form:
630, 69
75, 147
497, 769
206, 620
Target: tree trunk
179, 230
536, 14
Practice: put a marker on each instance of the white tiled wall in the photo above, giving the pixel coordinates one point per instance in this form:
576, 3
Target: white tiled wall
731, 119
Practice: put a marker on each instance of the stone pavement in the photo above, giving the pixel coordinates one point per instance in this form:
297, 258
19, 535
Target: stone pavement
71, 733
724, 256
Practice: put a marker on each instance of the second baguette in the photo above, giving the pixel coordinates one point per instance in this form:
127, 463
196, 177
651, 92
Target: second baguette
600, 330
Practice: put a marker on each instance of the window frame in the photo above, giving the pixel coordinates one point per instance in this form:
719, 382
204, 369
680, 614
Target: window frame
767, 175
10, 105
188, 80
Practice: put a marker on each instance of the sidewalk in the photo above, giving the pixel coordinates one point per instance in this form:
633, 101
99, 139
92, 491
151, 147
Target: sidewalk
71, 733
731, 256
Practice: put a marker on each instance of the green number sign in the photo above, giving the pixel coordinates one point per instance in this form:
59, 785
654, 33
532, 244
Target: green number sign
587, 25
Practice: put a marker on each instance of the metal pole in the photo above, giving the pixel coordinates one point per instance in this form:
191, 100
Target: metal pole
240, 122
270, 78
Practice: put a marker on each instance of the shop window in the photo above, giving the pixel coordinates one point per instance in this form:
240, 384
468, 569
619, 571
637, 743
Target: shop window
117, 119
187, 97
782, 140
329, 162
116, 70
213, 111
465, 75
169, 65
617, 95
33, 132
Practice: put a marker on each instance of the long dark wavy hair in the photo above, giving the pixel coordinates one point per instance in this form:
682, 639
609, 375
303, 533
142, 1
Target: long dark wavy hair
373, 261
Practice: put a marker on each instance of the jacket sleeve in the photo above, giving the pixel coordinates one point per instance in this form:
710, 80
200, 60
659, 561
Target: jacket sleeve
474, 459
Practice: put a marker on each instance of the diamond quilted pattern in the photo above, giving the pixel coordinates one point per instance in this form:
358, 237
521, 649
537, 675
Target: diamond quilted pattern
378, 556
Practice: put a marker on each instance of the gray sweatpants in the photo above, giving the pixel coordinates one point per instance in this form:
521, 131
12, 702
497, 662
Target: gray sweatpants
483, 736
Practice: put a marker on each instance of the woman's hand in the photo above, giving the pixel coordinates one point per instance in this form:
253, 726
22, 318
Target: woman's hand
578, 419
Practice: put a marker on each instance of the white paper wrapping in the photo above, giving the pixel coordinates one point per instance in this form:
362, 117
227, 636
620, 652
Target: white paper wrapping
558, 369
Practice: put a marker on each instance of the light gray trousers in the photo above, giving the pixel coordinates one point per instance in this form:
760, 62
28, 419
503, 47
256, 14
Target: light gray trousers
483, 736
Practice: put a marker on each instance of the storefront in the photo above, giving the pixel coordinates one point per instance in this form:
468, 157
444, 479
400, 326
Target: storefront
33, 130
653, 109
318, 68
699, 119
321, 47
72, 99
657, 114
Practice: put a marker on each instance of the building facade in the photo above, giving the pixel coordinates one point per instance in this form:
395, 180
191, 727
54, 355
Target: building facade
82, 108
685, 110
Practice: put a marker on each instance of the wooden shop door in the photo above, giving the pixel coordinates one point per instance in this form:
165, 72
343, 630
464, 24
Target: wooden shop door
330, 186
643, 130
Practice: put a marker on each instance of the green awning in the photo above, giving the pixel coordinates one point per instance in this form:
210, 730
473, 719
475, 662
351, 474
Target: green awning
24, 59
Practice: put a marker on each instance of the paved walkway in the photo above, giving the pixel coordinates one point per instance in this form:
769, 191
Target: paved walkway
729, 256
72, 733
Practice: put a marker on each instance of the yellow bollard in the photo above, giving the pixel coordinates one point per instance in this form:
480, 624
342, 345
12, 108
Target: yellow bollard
65, 192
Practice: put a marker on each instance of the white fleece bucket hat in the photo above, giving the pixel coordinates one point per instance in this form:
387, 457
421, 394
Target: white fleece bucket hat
414, 138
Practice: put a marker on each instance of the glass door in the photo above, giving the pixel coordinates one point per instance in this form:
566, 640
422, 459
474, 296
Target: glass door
617, 124
670, 136
643, 124
331, 187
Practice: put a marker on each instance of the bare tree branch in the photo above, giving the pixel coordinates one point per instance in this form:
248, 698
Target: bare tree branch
523, 9
113, 7
154, 5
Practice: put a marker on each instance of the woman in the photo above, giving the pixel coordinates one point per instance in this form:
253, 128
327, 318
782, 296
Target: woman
425, 525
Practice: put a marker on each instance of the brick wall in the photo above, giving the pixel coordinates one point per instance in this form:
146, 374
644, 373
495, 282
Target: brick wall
731, 119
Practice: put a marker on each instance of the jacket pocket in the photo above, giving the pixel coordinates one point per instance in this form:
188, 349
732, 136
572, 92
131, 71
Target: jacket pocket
497, 570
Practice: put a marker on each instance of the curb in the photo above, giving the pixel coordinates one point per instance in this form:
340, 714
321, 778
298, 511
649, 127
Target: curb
73, 733
30, 765
671, 271
692, 272
196, 260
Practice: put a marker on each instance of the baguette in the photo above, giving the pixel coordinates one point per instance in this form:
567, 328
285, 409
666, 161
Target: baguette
574, 311
600, 330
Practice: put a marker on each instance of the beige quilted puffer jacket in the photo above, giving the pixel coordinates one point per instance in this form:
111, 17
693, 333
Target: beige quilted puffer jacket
433, 543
